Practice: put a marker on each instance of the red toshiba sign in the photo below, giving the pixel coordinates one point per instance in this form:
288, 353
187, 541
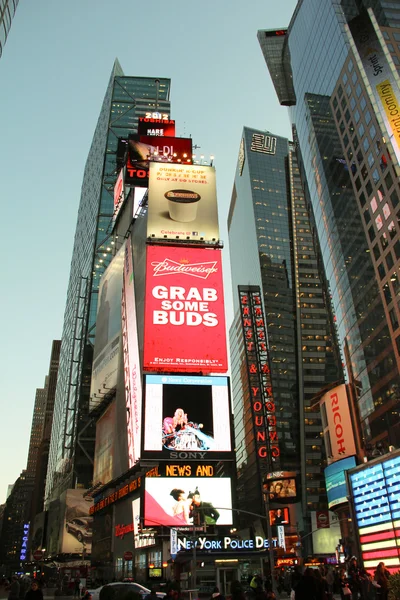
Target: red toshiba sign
184, 327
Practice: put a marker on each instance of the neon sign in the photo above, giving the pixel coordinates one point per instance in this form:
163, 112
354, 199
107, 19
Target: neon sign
24, 544
259, 375
226, 543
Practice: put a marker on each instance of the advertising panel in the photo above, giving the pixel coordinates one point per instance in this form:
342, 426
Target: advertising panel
142, 540
282, 489
335, 479
77, 536
119, 194
156, 127
104, 447
176, 501
38, 532
335, 405
380, 74
133, 384
186, 413
182, 202
108, 330
375, 492
142, 149
184, 328
326, 538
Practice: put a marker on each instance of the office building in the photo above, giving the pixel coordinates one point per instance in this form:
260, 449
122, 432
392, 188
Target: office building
7, 12
336, 68
273, 248
73, 432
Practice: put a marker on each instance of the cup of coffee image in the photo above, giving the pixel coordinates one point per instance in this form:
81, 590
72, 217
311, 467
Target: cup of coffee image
182, 205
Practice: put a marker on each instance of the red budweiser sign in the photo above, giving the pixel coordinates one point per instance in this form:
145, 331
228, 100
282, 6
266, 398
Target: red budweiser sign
184, 312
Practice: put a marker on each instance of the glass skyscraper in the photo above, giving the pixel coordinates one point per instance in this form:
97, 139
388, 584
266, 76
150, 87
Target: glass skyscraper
321, 70
73, 432
7, 12
273, 245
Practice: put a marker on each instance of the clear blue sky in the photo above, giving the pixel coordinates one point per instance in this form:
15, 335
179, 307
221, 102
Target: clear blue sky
53, 74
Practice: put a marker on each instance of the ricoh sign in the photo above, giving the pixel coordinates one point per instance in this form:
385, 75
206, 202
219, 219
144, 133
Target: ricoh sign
184, 317
337, 424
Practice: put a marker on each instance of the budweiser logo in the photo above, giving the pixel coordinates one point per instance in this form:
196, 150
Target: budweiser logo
121, 530
169, 267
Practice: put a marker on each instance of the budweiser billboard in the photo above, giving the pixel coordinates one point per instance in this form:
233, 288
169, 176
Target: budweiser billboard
182, 202
184, 326
336, 420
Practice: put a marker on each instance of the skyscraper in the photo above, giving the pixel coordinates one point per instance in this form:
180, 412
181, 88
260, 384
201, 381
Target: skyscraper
73, 432
281, 256
7, 12
336, 67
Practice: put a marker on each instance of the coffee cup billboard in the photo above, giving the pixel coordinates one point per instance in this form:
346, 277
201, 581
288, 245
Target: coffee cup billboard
182, 202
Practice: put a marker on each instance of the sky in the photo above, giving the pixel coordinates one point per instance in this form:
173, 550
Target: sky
54, 72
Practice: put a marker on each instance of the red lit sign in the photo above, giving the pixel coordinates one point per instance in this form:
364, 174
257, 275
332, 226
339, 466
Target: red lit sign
184, 327
259, 374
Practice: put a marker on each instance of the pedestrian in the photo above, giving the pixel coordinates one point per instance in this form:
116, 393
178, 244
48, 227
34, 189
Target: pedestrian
77, 584
330, 580
13, 589
216, 595
237, 591
344, 588
308, 588
34, 593
382, 578
353, 574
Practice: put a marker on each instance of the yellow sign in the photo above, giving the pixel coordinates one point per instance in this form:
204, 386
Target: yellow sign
391, 106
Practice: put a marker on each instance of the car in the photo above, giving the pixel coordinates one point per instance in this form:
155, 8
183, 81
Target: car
80, 527
121, 587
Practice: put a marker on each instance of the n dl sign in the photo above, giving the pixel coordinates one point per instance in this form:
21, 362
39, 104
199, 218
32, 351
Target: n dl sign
38, 555
128, 555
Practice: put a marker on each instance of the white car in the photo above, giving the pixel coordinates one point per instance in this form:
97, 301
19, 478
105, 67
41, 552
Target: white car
121, 587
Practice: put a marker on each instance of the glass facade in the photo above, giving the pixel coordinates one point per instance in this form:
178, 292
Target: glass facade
352, 182
7, 12
126, 99
281, 255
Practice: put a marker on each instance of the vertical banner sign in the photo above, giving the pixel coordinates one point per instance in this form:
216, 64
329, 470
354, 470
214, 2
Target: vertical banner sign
184, 325
259, 376
133, 386
24, 542
379, 73
174, 542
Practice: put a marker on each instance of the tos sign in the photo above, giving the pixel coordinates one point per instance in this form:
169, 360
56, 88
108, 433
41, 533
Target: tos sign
184, 313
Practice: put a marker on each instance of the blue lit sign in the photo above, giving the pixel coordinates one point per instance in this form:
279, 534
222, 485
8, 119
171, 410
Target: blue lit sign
24, 544
335, 478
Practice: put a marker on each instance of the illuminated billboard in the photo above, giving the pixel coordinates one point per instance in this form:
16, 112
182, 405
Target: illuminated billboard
279, 516
380, 72
133, 384
156, 127
375, 493
182, 202
142, 149
176, 501
335, 479
186, 413
78, 525
336, 421
108, 331
104, 446
184, 327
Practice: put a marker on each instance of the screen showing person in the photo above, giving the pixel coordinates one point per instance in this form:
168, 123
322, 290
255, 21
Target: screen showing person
202, 512
279, 516
282, 488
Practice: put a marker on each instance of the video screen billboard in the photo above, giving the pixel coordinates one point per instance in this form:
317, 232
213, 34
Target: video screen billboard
184, 327
104, 446
282, 489
186, 413
182, 202
279, 516
142, 149
78, 525
119, 194
335, 479
175, 501
108, 330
